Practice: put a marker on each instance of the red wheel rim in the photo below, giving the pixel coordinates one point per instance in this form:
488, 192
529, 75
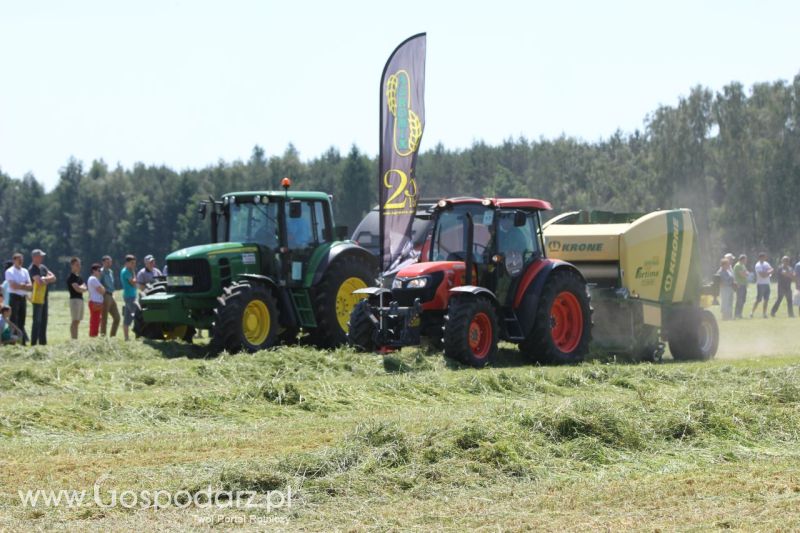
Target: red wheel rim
566, 321
480, 335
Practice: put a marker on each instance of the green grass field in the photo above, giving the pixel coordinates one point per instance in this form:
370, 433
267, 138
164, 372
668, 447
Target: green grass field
407, 441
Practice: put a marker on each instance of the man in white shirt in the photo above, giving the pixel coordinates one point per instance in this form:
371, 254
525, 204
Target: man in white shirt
763, 272
19, 285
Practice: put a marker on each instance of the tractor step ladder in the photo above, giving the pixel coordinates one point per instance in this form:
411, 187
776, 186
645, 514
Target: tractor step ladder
304, 308
513, 327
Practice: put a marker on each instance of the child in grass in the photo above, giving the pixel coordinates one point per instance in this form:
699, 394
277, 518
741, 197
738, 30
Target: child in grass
9, 333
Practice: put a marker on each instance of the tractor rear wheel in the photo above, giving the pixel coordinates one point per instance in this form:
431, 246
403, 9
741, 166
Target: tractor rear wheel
361, 332
470, 331
562, 327
246, 319
334, 300
693, 335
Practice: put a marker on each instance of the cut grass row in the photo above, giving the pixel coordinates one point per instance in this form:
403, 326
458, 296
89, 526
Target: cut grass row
409, 440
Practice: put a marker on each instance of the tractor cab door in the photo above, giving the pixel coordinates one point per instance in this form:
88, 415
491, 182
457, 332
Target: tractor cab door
518, 246
308, 225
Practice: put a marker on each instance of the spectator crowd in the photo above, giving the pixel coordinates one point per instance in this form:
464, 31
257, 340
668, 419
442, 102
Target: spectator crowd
734, 276
31, 285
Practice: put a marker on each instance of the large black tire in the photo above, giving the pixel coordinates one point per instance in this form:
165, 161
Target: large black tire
361, 334
334, 301
470, 331
148, 330
693, 335
562, 328
246, 318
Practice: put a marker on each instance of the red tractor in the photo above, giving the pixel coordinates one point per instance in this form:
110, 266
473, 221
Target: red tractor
484, 277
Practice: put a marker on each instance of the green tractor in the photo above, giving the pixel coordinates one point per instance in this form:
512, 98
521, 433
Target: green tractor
274, 268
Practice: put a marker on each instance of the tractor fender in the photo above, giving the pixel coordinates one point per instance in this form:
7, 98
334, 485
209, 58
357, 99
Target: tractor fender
474, 291
286, 312
529, 290
260, 279
338, 250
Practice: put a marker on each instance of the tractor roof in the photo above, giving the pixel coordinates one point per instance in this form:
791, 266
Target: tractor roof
519, 203
293, 195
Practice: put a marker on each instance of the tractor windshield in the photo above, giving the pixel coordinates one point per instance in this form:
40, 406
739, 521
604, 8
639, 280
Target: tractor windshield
450, 238
256, 223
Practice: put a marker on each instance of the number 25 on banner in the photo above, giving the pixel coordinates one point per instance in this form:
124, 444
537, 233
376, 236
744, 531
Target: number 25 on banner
404, 192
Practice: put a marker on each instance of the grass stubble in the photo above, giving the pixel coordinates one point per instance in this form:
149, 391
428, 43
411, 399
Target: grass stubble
406, 441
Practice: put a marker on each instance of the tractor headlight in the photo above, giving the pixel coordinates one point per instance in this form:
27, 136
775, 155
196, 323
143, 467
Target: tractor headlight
180, 281
397, 283
417, 283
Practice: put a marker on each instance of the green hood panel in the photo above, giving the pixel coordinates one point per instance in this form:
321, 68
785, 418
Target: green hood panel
209, 250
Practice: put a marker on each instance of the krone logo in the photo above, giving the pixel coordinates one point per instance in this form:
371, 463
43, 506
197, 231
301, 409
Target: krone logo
554, 246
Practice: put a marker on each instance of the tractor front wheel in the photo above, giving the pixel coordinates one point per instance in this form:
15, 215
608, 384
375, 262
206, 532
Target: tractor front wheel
246, 319
183, 332
470, 331
147, 330
361, 332
334, 300
562, 328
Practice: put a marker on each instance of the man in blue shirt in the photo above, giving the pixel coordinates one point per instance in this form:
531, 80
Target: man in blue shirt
128, 280
109, 304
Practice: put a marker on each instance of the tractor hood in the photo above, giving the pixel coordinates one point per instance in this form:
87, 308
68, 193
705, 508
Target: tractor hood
209, 250
422, 269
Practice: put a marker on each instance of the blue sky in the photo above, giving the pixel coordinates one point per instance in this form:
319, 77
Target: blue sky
185, 83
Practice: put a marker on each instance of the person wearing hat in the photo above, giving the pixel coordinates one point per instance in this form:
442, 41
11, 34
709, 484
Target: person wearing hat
41, 277
148, 273
19, 283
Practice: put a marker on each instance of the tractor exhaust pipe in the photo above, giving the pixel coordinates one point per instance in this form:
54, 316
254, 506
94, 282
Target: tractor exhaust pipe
469, 260
214, 219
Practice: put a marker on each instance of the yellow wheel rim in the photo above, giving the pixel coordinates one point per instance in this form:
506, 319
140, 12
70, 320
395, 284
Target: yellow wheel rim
346, 300
177, 332
256, 322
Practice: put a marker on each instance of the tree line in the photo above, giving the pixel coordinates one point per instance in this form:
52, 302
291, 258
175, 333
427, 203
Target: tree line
732, 156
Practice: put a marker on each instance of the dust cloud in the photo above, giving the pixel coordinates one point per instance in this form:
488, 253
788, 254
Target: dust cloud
757, 337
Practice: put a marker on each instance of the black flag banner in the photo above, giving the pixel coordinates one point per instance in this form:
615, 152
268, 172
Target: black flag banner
402, 121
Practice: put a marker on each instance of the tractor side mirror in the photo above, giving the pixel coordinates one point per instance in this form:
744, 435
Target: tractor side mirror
520, 218
201, 209
341, 233
295, 209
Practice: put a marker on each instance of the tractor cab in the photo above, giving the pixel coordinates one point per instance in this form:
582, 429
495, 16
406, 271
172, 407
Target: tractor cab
287, 229
504, 241
485, 277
